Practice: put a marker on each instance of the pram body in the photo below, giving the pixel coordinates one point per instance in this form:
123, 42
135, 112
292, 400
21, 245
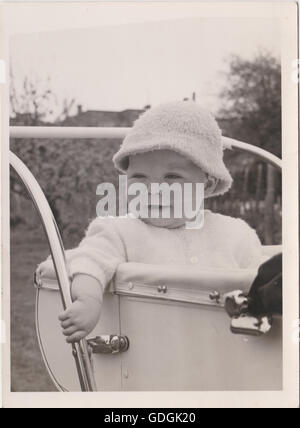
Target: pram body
179, 334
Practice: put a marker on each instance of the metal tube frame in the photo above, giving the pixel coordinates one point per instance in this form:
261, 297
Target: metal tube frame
76, 132
80, 350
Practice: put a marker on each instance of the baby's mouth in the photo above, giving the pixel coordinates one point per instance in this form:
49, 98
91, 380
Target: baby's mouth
159, 211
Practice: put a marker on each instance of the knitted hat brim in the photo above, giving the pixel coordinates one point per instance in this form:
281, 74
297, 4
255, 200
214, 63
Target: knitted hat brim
220, 172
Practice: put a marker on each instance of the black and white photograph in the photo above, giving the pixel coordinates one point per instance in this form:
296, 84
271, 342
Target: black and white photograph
150, 153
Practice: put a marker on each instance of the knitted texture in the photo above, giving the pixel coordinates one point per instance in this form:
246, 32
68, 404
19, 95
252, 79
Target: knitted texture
223, 243
186, 128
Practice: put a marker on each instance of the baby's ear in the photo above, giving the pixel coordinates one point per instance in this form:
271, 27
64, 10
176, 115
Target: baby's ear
210, 185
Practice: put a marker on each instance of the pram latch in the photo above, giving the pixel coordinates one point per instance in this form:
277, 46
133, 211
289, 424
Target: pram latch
108, 344
252, 313
243, 322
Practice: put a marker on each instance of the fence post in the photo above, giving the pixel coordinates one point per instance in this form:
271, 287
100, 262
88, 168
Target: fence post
269, 205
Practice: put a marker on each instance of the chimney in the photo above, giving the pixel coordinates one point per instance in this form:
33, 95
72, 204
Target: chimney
79, 109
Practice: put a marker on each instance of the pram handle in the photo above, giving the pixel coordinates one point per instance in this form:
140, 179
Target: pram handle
80, 350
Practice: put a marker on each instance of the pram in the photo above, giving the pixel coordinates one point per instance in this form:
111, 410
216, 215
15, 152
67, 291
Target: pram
159, 329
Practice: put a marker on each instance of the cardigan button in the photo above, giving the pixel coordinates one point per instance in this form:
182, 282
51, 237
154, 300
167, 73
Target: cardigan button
194, 260
130, 286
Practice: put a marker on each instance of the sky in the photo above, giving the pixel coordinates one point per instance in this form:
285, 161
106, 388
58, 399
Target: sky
128, 61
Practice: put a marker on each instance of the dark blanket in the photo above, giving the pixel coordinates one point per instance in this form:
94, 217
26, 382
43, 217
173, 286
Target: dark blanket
265, 296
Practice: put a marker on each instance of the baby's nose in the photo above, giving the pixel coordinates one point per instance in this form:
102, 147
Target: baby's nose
154, 190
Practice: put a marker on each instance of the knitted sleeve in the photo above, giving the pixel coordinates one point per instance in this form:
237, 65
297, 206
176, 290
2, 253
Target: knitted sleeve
249, 248
99, 253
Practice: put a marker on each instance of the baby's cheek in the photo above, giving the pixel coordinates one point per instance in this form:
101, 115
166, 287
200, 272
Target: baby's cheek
188, 194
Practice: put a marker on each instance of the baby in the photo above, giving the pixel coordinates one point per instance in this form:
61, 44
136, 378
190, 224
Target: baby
177, 142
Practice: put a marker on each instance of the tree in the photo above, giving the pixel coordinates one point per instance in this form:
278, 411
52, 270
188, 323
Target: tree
33, 103
252, 109
67, 170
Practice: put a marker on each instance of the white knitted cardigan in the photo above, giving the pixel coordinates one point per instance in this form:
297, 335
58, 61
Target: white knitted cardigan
224, 242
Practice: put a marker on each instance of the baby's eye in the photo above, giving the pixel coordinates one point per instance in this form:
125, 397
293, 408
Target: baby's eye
173, 177
138, 176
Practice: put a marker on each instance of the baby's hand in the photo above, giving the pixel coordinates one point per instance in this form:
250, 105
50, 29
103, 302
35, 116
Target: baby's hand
82, 317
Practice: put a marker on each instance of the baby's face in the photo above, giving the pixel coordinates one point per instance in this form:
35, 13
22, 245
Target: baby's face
164, 166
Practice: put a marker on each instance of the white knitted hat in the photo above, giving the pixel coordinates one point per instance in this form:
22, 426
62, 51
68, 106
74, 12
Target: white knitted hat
186, 128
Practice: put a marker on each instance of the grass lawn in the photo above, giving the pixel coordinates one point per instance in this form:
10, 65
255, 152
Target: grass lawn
28, 248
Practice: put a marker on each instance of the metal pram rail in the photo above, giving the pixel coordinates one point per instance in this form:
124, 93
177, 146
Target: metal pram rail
40, 132
80, 350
